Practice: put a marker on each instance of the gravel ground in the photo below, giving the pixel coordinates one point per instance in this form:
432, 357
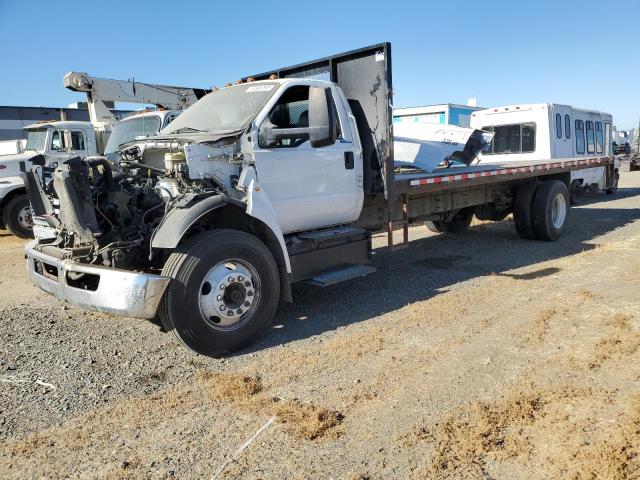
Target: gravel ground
479, 356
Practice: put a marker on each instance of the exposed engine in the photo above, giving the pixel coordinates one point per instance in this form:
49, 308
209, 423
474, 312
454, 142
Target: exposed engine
106, 214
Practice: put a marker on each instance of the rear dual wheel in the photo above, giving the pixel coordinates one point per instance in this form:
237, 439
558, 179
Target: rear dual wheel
541, 210
223, 293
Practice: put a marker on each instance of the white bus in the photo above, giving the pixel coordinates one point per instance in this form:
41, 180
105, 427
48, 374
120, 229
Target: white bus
548, 131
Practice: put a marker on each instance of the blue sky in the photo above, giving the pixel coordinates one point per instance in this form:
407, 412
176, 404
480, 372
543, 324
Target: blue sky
583, 53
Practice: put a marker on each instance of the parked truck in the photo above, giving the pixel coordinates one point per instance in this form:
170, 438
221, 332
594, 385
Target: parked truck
257, 187
58, 141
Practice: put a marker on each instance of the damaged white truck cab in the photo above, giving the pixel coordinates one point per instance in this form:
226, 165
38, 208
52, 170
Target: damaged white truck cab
217, 190
257, 187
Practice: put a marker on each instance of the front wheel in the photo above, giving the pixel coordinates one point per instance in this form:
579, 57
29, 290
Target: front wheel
223, 292
17, 217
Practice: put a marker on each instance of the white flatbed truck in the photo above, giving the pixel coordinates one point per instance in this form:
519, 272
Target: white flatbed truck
259, 186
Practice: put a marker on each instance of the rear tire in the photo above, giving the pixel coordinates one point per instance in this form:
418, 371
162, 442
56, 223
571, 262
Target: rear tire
550, 212
215, 309
16, 216
522, 209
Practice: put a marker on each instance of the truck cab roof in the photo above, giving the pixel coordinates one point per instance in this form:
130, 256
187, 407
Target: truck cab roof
149, 113
58, 124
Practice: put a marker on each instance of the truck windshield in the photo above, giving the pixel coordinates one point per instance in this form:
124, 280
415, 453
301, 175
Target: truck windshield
36, 140
127, 130
229, 109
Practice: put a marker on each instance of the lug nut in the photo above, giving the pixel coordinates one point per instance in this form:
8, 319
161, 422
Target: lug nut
222, 308
247, 284
230, 279
247, 304
250, 293
240, 278
222, 287
239, 311
230, 313
219, 297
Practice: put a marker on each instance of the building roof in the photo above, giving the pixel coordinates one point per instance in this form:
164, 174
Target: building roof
439, 108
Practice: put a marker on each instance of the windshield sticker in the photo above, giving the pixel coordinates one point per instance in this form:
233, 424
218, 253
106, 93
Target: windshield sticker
259, 88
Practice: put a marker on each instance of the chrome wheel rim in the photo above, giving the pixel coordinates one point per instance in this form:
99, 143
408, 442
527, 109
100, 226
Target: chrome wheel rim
25, 217
229, 294
559, 211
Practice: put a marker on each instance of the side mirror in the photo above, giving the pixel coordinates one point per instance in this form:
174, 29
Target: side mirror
322, 117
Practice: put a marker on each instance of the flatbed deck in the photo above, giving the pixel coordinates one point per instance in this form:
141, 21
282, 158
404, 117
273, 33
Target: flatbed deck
462, 176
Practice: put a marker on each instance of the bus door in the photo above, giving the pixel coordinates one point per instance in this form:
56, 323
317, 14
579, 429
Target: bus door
562, 132
607, 139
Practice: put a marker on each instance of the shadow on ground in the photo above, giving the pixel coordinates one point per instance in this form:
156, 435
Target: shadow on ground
434, 263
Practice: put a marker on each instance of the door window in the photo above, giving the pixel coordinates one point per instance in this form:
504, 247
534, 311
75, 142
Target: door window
77, 140
591, 144
567, 127
57, 140
607, 139
291, 111
599, 138
579, 136
558, 125
170, 118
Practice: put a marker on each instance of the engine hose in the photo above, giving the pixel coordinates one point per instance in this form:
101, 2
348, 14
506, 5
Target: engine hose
107, 173
159, 171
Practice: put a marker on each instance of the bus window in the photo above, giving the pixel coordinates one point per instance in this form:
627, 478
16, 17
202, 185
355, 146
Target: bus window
558, 125
567, 127
591, 144
599, 138
579, 136
519, 138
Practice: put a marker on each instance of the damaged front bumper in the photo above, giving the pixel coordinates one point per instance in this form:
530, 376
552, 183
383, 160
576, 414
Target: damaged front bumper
109, 290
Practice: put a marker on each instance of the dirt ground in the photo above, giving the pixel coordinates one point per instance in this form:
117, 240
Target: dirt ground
481, 356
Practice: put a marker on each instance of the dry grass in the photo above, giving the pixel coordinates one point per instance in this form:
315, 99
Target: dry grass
539, 326
620, 321
463, 439
301, 420
623, 342
66, 448
306, 421
547, 430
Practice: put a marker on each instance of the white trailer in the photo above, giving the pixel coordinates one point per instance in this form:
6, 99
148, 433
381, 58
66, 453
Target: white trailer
530, 132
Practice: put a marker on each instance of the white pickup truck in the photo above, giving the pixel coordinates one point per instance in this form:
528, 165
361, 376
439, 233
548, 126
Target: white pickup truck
259, 186
57, 142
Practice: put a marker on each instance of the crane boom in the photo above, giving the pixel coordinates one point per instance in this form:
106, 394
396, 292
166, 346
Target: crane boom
101, 90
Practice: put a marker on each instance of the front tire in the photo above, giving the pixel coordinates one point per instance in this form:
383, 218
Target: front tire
223, 294
17, 217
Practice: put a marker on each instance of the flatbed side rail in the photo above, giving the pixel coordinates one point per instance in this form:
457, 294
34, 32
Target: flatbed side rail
485, 176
